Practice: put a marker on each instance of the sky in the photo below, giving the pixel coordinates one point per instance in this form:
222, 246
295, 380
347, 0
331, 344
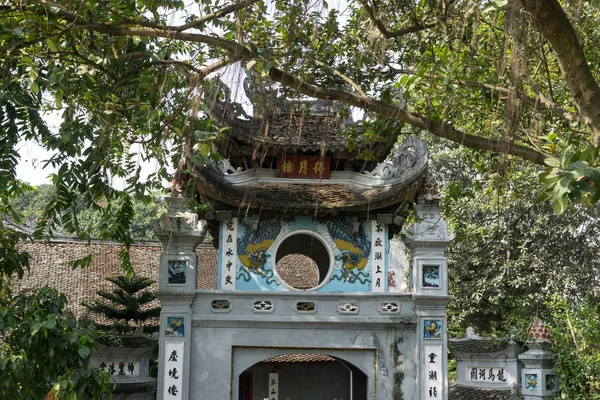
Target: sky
33, 156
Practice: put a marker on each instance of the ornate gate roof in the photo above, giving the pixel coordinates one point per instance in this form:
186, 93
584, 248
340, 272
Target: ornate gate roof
365, 175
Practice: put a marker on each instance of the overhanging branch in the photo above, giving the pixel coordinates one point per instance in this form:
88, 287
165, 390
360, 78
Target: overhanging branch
396, 33
554, 24
238, 51
538, 101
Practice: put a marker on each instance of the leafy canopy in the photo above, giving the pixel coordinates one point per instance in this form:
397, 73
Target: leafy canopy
44, 351
128, 77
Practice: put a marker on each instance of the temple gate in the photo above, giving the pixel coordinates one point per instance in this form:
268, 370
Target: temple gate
314, 299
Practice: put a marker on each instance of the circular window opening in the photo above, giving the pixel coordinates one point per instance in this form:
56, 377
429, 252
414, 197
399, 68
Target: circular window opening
298, 271
302, 261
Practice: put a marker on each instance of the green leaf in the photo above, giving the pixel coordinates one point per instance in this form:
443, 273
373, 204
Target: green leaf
542, 197
595, 176
52, 44
553, 162
34, 87
205, 149
253, 49
58, 96
588, 155
560, 206
565, 157
582, 187
488, 9
561, 188
577, 169
83, 351
35, 328
250, 64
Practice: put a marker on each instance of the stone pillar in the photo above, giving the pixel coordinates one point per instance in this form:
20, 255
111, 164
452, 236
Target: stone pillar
180, 232
427, 240
538, 378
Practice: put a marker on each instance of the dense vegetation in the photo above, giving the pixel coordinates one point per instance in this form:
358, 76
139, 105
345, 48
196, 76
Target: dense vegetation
31, 205
513, 260
44, 350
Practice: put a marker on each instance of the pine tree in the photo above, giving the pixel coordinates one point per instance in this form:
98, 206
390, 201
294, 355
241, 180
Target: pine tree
125, 303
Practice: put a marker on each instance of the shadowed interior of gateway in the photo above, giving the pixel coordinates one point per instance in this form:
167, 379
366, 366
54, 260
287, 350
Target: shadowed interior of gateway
303, 376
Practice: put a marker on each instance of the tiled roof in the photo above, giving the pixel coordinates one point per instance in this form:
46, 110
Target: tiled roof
302, 197
479, 345
300, 357
292, 132
49, 266
298, 271
460, 392
286, 129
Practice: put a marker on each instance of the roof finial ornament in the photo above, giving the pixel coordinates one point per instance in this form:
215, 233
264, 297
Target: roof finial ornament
409, 154
471, 333
429, 190
539, 331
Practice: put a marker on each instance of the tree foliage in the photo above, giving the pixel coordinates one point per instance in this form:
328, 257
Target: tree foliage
511, 256
127, 301
514, 77
576, 347
513, 261
32, 204
44, 351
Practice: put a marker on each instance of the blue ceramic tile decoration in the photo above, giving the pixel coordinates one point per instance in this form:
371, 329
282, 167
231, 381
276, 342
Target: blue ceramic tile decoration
432, 329
177, 272
175, 326
531, 381
431, 276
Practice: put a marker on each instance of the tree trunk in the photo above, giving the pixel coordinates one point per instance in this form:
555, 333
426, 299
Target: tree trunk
554, 24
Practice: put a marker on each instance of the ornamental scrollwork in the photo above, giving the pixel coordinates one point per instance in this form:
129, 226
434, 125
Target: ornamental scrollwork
409, 155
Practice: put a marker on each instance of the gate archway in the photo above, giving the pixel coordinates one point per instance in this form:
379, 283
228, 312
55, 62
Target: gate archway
303, 376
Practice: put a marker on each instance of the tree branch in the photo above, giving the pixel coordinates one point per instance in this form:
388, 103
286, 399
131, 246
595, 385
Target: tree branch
217, 14
241, 4
400, 32
201, 74
344, 77
236, 50
552, 21
539, 100
176, 63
